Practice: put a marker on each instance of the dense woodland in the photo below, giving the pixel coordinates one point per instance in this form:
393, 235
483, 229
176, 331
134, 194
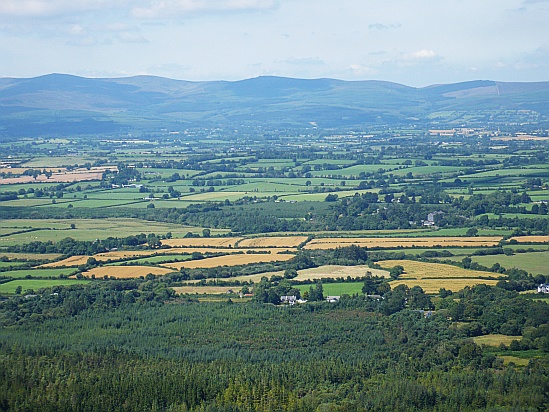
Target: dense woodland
130, 346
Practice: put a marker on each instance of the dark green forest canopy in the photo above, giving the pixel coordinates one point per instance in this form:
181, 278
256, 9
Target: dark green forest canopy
124, 345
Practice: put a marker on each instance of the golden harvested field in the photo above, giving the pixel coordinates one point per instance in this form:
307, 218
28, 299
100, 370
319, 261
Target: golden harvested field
202, 242
205, 289
190, 250
332, 243
336, 271
126, 272
95, 173
423, 270
495, 339
71, 261
21, 170
274, 241
533, 239
231, 260
101, 257
433, 286
120, 255
327, 271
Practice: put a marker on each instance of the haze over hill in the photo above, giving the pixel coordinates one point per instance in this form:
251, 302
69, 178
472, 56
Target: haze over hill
64, 104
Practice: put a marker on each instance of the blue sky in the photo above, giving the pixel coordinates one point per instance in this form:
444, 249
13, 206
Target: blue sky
414, 42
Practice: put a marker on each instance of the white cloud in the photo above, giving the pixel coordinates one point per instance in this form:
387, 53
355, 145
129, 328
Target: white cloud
360, 70
131, 37
167, 8
76, 30
46, 8
422, 54
305, 61
380, 26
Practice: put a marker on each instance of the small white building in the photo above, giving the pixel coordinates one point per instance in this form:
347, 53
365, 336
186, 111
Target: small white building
333, 299
543, 288
288, 299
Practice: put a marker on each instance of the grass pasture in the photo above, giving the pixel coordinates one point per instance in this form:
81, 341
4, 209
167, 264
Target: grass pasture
8, 264
36, 284
37, 273
534, 262
336, 289
517, 361
30, 256
87, 229
495, 340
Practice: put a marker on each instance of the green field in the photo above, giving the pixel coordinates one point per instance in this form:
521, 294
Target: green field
38, 273
155, 259
8, 264
535, 262
336, 289
87, 229
36, 284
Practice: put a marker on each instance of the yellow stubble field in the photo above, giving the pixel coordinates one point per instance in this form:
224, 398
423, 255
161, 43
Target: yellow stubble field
431, 277
100, 257
126, 272
273, 241
424, 270
393, 242
202, 242
231, 260
74, 261
531, 239
210, 290
433, 286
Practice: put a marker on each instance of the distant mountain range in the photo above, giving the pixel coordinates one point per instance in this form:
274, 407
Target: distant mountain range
58, 104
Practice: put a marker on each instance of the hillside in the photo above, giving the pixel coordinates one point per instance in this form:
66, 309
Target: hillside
65, 104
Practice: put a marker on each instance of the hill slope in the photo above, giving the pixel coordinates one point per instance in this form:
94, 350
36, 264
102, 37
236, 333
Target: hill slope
65, 104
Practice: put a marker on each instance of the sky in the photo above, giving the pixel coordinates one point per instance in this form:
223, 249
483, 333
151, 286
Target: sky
413, 42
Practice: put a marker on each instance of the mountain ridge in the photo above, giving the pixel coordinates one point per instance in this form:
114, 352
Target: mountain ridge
26, 104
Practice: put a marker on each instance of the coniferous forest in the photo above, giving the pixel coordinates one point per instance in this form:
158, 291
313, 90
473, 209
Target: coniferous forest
130, 345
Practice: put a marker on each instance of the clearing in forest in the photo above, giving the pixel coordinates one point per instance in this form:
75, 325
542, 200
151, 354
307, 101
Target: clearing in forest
495, 339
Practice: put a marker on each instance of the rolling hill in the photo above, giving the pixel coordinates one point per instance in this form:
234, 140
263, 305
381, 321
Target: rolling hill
58, 104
